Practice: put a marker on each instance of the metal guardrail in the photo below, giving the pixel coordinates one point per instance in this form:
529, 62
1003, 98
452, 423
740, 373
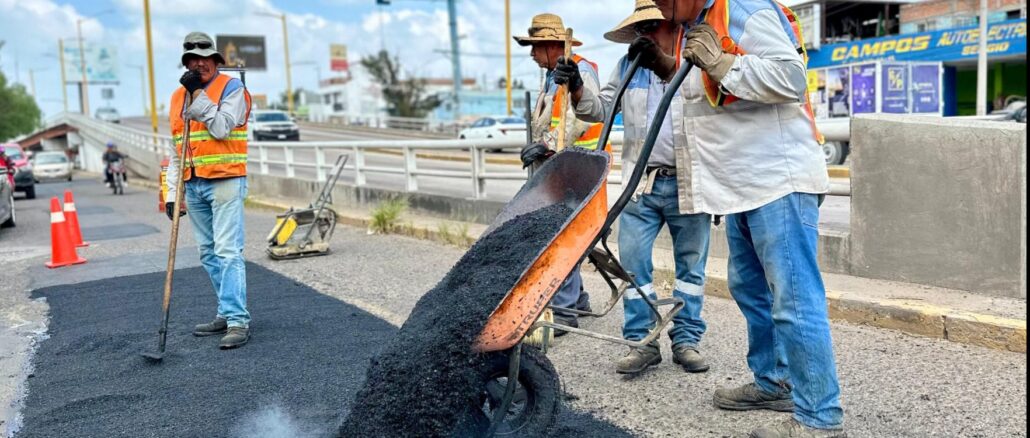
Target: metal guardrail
312, 155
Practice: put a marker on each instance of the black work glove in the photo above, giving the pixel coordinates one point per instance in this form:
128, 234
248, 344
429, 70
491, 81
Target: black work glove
652, 58
191, 80
170, 209
567, 72
536, 152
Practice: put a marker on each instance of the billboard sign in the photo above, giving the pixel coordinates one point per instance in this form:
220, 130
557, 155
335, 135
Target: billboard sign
338, 57
246, 51
926, 88
863, 88
1007, 38
101, 64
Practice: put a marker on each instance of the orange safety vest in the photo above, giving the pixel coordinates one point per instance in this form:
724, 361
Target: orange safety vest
590, 138
718, 16
210, 157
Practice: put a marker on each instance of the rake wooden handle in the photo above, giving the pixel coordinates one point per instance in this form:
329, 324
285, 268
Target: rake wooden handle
565, 96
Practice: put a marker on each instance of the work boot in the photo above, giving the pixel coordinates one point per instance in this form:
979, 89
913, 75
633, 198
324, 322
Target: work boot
236, 337
571, 321
216, 327
794, 429
583, 302
689, 358
750, 397
639, 359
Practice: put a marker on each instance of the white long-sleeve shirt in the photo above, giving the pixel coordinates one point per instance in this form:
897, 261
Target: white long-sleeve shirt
220, 120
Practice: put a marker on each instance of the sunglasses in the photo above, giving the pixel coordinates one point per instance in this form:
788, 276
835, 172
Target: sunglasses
200, 45
644, 28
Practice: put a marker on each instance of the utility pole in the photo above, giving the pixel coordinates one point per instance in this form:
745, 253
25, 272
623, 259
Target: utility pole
150, 66
981, 63
286, 55
452, 20
142, 86
83, 87
32, 82
64, 81
507, 51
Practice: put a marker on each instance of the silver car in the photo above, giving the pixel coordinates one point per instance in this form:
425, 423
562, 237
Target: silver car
108, 115
52, 166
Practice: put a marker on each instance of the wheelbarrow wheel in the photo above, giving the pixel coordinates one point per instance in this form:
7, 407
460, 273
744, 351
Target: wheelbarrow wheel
534, 406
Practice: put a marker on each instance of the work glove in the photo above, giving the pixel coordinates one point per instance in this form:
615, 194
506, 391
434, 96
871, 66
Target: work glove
567, 72
170, 210
652, 57
704, 50
534, 153
191, 80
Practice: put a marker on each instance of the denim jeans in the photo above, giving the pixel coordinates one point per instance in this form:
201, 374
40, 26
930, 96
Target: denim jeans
774, 278
215, 209
568, 294
639, 225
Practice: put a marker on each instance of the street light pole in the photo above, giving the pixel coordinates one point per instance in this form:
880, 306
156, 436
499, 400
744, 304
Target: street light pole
286, 53
150, 67
83, 88
142, 86
981, 63
507, 51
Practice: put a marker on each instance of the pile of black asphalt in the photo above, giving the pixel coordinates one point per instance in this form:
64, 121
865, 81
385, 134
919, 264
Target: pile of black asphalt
307, 359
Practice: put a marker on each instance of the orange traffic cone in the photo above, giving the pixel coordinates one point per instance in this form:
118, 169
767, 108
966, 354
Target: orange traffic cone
72, 216
61, 245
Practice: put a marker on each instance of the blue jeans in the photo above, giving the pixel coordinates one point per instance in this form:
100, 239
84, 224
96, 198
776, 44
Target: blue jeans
568, 294
639, 225
774, 278
216, 211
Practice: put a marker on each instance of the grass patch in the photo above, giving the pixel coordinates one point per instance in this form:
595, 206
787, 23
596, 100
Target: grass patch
454, 234
386, 216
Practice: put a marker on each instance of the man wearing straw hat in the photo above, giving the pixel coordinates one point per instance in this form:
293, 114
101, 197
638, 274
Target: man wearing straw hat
216, 108
655, 201
548, 38
753, 155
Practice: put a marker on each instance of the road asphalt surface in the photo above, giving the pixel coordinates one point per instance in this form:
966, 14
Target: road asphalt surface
893, 385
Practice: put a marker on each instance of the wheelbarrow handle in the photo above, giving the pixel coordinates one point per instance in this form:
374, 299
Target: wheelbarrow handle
609, 120
645, 151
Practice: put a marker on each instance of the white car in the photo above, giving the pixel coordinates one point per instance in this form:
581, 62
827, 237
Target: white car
496, 127
51, 166
108, 115
272, 125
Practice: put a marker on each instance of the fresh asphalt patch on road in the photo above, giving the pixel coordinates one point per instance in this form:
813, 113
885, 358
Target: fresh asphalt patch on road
297, 376
120, 231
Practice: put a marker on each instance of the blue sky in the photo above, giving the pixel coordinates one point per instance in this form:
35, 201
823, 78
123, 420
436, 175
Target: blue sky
413, 29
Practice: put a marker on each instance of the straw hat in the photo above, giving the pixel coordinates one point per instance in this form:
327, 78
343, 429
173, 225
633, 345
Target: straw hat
546, 27
645, 10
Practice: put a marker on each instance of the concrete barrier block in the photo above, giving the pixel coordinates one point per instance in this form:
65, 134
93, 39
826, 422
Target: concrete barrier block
939, 201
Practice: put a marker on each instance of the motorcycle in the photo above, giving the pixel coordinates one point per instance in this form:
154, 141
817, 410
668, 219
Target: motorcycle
116, 169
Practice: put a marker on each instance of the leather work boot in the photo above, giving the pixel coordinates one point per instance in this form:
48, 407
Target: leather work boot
793, 429
570, 321
639, 359
689, 358
236, 337
216, 327
750, 397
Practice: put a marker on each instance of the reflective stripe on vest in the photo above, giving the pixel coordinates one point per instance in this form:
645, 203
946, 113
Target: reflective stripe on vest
210, 157
589, 138
718, 16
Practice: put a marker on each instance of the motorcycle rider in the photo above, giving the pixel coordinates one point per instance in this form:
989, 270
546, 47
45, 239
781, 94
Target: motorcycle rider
110, 156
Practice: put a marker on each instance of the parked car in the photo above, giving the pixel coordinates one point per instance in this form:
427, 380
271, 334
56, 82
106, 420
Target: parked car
51, 166
272, 125
7, 215
24, 181
108, 115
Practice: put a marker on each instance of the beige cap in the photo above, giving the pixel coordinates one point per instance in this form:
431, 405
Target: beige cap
546, 27
200, 38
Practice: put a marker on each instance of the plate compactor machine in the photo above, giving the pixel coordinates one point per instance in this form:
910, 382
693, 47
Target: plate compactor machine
306, 232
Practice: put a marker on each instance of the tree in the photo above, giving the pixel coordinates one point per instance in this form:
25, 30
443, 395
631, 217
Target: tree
404, 97
19, 113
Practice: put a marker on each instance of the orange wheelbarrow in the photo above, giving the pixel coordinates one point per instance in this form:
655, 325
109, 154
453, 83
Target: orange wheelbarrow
520, 395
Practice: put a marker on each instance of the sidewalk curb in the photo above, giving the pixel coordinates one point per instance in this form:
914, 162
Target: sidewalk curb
907, 316
839, 171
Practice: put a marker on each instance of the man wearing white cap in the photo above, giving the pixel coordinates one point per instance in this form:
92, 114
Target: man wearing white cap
547, 37
655, 202
752, 153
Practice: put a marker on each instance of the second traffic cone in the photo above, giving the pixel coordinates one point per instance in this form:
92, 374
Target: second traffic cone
72, 217
62, 249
